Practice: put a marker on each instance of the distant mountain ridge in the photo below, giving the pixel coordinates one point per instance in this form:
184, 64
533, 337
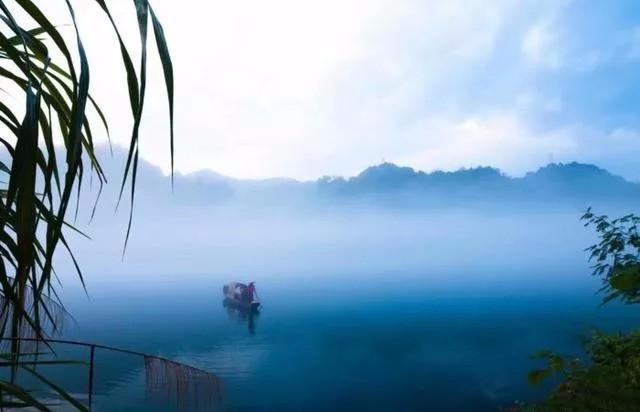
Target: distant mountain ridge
572, 180
389, 174
388, 184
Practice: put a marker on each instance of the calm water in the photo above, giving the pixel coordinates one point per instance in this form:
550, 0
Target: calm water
379, 342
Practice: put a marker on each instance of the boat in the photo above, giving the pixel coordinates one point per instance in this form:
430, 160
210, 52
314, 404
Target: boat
230, 299
252, 306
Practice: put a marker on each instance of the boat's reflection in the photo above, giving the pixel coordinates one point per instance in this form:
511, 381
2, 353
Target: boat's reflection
242, 315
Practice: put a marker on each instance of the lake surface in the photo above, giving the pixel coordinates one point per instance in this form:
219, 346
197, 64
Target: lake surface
381, 342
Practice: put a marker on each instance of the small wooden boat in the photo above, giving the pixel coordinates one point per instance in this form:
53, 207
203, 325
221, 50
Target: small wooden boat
238, 304
230, 299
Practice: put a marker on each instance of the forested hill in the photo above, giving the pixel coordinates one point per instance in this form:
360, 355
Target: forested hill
386, 185
571, 182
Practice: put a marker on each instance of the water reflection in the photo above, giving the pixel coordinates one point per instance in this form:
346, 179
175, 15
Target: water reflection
242, 314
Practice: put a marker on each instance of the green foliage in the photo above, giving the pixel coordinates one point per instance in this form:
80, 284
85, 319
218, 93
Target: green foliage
56, 97
616, 256
555, 364
38, 188
608, 379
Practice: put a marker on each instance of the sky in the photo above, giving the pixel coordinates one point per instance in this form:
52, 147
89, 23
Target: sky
304, 89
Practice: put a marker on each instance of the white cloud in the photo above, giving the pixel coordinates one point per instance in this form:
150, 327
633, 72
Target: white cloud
540, 46
501, 140
298, 88
303, 89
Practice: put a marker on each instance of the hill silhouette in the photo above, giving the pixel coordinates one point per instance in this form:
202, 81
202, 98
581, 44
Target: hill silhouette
572, 184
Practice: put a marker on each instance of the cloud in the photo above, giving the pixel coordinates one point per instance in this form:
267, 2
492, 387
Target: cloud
540, 46
501, 140
304, 89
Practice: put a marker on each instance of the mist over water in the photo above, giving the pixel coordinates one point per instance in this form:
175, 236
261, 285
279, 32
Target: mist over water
367, 304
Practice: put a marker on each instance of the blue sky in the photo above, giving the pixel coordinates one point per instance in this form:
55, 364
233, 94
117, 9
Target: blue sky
304, 89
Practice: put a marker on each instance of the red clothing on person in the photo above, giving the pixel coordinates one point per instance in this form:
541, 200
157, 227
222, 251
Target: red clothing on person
248, 292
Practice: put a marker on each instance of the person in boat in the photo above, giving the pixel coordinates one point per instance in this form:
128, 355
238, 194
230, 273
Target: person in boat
239, 290
248, 292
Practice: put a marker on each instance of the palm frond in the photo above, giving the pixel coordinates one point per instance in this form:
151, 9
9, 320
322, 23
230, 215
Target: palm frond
41, 185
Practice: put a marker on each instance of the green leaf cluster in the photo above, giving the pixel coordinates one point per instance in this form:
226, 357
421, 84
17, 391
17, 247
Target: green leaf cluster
607, 379
616, 256
50, 77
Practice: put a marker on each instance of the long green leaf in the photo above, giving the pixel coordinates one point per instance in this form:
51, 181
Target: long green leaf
167, 67
58, 390
18, 392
